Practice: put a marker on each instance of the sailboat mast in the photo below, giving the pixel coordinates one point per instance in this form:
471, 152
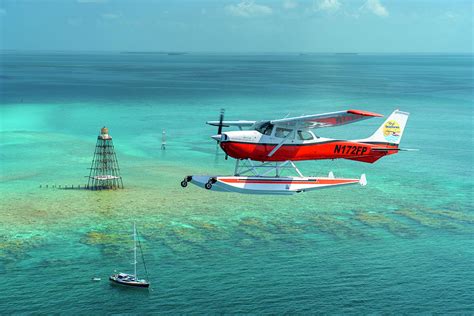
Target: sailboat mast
135, 250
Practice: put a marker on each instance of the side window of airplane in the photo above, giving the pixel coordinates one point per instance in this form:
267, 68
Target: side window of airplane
282, 132
305, 135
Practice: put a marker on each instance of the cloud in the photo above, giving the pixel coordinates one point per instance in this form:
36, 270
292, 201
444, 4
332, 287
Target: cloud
375, 7
327, 5
3, 12
110, 16
450, 15
248, 9
289, 4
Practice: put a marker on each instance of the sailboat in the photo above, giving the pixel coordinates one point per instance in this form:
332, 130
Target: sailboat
132, 279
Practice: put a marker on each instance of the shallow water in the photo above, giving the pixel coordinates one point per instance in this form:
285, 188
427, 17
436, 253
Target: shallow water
402, 244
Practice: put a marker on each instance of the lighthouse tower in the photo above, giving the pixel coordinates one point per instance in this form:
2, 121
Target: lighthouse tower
104, 171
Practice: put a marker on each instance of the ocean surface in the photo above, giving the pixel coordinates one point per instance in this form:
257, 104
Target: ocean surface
402, 244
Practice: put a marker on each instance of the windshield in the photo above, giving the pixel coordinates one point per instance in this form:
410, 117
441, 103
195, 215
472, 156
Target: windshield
265, 128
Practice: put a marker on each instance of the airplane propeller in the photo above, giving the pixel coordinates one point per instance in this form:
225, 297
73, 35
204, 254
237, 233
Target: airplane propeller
221, 119
218, 137
219, 125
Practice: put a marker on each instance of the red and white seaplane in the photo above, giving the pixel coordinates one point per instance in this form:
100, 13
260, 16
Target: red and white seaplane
268, 148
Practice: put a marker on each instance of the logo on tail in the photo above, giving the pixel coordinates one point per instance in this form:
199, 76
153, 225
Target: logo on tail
391, 131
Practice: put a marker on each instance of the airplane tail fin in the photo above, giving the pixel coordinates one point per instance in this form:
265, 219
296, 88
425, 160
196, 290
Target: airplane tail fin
391, 130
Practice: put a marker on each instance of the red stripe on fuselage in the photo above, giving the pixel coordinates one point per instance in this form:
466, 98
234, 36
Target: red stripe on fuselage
318, 181
316, 151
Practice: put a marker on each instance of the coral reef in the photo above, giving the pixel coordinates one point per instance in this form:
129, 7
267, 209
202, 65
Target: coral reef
256, 229
380, 220
337, 226
109, 243
425, 219
16, 247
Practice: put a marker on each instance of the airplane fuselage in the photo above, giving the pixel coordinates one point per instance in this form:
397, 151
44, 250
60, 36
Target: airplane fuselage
301, 146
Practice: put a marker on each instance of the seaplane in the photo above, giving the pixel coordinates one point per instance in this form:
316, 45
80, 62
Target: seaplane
265, 151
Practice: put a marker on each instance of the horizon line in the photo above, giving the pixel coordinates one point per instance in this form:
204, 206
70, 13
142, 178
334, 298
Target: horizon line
183, 52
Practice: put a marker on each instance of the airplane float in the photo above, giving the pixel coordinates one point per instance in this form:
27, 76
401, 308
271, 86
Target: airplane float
268, 148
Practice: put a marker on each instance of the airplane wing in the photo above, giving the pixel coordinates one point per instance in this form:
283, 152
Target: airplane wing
326, 119
231, 123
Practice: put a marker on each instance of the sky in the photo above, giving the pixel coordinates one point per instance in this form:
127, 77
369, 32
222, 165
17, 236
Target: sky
387, 26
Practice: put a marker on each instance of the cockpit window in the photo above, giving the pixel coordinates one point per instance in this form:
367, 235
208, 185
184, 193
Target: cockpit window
305, 135
282, 132
265, 128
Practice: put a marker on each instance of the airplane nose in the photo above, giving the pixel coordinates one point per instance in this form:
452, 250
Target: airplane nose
220, 137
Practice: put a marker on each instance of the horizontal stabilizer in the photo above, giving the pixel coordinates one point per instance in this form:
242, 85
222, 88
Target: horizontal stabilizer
383, 149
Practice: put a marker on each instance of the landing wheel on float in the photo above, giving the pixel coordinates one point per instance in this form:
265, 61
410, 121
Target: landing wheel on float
210, 182
185, 181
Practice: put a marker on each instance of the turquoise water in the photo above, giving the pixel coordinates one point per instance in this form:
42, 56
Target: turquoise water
402, 244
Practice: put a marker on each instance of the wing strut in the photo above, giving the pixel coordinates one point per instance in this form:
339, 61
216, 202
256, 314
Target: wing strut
282, 142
